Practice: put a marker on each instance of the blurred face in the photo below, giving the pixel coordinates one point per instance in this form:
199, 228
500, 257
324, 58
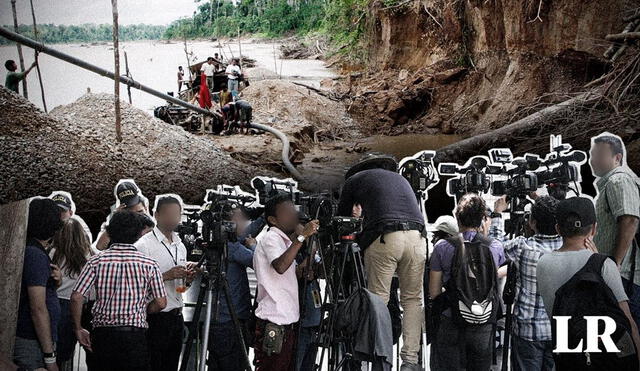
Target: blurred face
602, 159
286, 218
65, 215
13, 67
137, 208
240, 220
168, 216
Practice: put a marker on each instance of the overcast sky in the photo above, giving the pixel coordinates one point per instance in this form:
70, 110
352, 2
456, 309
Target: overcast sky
67, 12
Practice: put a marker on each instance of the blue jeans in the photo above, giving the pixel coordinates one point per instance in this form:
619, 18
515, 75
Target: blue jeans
28, 354
527, 355
462, 348
633, 292
232, 85
306, 349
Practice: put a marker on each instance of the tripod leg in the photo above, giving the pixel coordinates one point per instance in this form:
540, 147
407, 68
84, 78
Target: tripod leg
207, 326
193, 329
236, 323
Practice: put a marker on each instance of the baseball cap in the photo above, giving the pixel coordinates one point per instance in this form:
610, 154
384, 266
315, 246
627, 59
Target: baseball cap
446, 224
575, 212
128, 193
62, 200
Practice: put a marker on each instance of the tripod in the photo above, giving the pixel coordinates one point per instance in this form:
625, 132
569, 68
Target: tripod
215, 261
347, 257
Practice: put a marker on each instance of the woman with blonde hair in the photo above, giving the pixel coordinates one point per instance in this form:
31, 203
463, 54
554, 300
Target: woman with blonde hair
70, 250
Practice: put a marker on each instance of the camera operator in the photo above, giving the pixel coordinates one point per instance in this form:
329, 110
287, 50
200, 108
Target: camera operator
225, 352
129, 197
128, 286
618, 211
531, 344
393, 238
277, 292
459, 345
164, 246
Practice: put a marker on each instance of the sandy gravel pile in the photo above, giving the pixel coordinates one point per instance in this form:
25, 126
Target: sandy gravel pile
74, 148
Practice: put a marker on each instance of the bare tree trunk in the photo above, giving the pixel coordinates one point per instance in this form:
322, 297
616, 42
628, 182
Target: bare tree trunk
20, 57
35, 36
116, 57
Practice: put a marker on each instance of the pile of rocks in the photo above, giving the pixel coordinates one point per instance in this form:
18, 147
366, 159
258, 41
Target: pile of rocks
74, 148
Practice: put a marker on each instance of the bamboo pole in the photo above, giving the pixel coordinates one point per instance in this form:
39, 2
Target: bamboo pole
116, 58
239, 49
20, 57
35, 36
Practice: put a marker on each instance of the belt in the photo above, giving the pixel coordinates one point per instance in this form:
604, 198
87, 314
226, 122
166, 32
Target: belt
402, 226
121, 328
290, 326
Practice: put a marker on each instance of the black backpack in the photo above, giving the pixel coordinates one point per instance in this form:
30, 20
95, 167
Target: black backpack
587, 294
472, 291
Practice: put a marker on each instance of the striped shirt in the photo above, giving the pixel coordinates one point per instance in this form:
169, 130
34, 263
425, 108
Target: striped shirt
531, 320
126, 281
617, 196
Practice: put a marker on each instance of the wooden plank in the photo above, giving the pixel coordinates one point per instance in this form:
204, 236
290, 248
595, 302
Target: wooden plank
13, 238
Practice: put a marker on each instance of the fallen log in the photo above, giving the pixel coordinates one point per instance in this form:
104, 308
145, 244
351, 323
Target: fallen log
474, 145
623, 36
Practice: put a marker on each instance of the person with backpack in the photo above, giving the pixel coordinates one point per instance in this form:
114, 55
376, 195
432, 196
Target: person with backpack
568, 288
618, 212
531, 347
466, 267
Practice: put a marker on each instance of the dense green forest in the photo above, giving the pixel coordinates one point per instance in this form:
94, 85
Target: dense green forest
51, 34
337, 19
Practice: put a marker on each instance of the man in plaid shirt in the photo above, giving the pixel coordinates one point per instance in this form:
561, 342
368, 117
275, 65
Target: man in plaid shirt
531, 346
128, 285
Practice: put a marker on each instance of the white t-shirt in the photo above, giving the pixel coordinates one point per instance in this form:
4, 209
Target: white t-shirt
208, 69
68, 281
167, 254
277, 293
230, 69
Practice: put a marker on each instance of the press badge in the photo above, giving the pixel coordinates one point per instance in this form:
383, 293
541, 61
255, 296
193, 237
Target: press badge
317, 299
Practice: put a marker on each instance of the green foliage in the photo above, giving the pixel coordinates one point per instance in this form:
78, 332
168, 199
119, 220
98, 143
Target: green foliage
51, 34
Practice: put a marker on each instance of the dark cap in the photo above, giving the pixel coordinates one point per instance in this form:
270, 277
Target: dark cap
373, 160
62, 201
575, 212
128, 194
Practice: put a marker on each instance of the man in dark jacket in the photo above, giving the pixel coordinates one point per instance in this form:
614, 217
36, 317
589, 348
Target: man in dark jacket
393, 239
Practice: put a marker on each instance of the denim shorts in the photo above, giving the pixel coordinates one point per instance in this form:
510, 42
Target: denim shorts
28, 354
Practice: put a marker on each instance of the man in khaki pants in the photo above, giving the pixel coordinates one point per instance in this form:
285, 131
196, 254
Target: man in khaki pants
393, 239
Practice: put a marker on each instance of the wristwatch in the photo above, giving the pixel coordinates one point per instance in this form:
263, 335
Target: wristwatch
300, 238
495, 215
49, 358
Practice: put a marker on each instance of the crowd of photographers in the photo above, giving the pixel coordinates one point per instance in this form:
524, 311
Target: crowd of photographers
121, 297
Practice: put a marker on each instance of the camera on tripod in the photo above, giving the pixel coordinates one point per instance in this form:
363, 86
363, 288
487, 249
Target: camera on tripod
420, 172
470, 178
562, 167
520, 179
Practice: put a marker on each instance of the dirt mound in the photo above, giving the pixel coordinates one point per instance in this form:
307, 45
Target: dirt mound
299, 111
74, 149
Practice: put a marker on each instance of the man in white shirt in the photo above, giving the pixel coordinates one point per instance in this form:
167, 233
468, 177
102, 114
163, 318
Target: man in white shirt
209, 69
233, 72
277, 292
165, 247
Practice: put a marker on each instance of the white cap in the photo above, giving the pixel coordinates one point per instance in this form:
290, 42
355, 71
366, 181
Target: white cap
446, 224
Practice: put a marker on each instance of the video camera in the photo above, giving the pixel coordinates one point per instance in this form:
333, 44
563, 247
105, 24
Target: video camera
420, 172
471, 178
520, 180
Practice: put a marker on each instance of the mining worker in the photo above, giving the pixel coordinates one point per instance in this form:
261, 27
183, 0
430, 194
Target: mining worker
225, 96
209, 70
13, 77
180, 78
233, 72
218, 61
243, 114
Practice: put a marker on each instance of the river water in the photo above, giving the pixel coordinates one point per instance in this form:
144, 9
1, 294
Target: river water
151, 63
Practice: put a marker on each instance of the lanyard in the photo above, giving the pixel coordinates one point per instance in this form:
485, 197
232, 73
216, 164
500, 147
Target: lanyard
175, 261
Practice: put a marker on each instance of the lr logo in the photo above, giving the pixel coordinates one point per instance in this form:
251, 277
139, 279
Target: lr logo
562, 335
